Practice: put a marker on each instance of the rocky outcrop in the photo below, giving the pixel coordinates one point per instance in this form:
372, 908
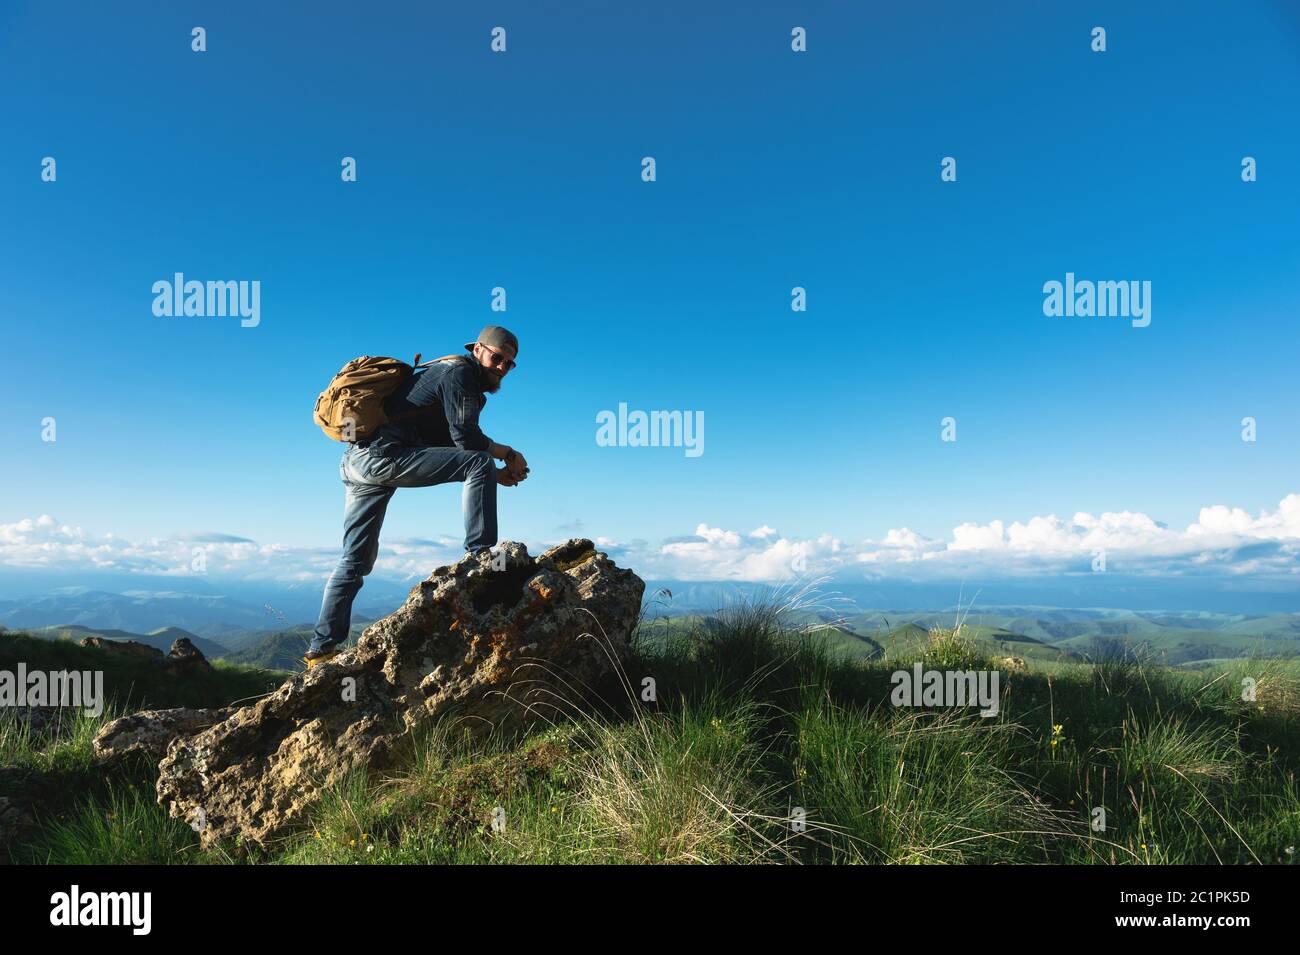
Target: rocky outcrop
123, 648
150, 732
494, 640
185, 659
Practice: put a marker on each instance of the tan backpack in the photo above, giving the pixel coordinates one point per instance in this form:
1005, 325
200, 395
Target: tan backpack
351, 408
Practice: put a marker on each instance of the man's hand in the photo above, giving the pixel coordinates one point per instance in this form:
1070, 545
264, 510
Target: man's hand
504, 478
517, 467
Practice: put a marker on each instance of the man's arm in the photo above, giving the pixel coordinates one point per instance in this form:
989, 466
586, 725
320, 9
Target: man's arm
461, 402
460, 405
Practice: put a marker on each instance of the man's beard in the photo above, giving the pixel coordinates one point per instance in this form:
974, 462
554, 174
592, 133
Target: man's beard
491, 382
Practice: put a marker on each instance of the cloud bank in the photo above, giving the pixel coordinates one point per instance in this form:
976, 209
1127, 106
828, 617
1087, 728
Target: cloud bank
1223, 541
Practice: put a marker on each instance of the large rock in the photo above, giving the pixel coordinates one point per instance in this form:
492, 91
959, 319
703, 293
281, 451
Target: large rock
492, 640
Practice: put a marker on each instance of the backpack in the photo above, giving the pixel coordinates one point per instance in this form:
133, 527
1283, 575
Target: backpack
351, 408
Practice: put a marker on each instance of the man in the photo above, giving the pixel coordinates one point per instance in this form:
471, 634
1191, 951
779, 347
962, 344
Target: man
432, 437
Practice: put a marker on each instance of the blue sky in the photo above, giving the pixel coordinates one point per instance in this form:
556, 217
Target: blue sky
775, 170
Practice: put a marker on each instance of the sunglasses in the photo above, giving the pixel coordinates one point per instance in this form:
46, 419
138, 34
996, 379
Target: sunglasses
498, 360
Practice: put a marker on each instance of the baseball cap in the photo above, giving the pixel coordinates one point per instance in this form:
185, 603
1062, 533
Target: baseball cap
497, 337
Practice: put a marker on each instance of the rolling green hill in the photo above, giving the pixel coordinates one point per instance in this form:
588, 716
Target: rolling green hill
1050, 633
1174, 647
910, 639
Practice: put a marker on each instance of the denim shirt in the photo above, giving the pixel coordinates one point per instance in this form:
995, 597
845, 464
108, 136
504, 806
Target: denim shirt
451, 392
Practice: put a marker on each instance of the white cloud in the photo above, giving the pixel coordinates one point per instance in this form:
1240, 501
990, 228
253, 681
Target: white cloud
1225, 541
44, 543
1228, 541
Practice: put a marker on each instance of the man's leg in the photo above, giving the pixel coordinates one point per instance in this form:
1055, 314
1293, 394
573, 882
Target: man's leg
363, 516
425, 467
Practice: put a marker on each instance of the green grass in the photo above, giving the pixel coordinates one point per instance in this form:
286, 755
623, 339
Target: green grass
85, 813
117, 824
766, 743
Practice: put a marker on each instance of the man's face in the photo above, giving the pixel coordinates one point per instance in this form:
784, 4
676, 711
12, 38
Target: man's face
494, 365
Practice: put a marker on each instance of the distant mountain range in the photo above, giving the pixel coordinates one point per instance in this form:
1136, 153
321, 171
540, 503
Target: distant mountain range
228, 610
269, 624
1183, 595
220, 617
268, 650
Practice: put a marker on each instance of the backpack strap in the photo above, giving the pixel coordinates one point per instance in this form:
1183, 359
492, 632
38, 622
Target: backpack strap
415, 363
419, 412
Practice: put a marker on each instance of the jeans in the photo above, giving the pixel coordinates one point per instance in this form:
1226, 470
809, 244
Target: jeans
370, 477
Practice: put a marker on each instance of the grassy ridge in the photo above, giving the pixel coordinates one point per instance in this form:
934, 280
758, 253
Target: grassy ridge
160, 639
766, 744
134, 683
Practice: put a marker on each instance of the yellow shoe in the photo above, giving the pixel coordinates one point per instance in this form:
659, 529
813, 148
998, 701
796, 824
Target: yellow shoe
316, 657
